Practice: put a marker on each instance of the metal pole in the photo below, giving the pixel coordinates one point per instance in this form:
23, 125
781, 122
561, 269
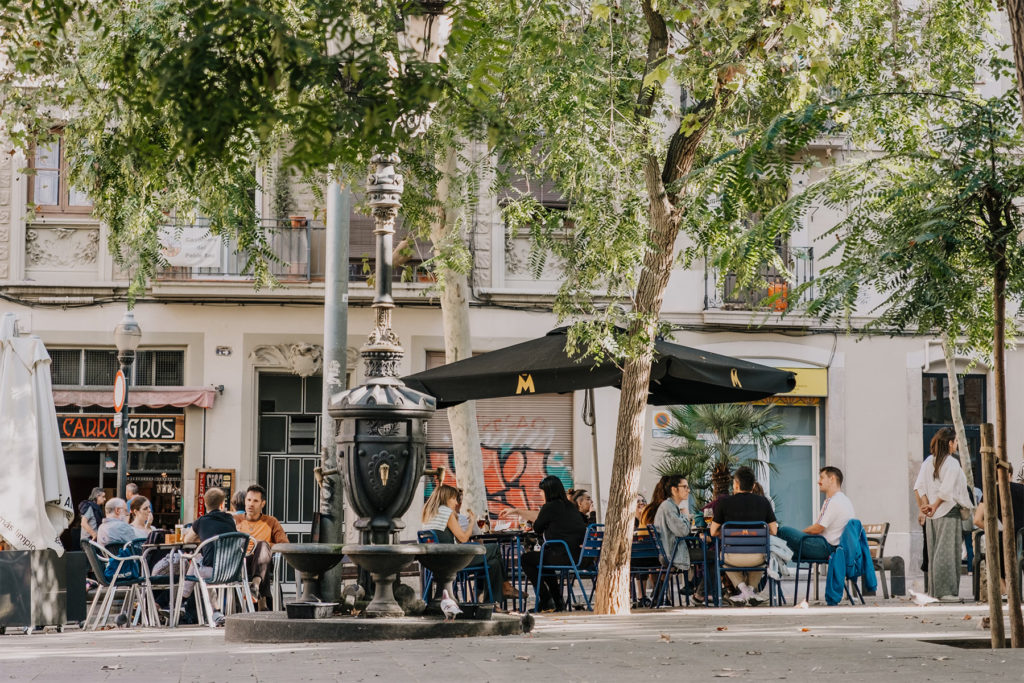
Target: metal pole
126, 358
988, 484
1011, 569
332, 506
590, 419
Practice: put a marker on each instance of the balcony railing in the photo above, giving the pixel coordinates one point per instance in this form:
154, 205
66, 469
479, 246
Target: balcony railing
302, 252
770, 289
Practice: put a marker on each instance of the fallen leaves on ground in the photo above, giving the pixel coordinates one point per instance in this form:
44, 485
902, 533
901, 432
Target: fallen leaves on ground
721, 628
967, 617
523, 658
804, 629
665, 638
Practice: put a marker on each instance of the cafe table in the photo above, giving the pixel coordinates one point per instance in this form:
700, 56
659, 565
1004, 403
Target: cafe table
178, 553
513, 543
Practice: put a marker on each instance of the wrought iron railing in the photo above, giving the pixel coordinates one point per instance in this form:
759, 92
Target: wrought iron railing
302, 252
771, 288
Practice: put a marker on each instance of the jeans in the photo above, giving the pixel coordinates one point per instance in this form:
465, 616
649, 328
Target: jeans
815, 547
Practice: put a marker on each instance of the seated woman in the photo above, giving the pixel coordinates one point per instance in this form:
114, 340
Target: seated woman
558, 520
439, 516
141, 516
585, 504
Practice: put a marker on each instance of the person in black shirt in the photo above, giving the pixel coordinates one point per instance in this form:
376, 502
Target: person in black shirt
214, 523
558, 520
744, 506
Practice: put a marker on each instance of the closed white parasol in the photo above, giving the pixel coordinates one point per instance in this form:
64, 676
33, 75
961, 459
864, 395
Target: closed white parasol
35, 498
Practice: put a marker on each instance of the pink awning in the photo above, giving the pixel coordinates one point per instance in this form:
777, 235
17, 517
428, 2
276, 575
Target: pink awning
150, 397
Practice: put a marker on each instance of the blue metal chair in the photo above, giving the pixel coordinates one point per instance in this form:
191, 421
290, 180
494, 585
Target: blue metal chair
809, 563
576, 569
748, 538
645, 560
225, 556
670, 586
466, 581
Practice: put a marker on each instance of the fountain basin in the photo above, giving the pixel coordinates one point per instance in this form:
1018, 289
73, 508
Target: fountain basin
445, 560
310, 560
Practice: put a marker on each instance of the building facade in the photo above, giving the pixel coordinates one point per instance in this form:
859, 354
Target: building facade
228, 383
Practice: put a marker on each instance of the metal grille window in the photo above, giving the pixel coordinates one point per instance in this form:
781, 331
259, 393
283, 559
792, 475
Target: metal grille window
100, 367
97, 367
66, 366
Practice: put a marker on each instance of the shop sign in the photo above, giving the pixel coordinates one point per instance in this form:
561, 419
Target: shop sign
140, 429
208, 479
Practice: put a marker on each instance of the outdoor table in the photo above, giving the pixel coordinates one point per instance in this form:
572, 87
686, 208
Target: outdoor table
180, 548
513, 543
712, 573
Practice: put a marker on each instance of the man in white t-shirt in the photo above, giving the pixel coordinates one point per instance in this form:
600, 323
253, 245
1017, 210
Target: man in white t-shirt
821, 538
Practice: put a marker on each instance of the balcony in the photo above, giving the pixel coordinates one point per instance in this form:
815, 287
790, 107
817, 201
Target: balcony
723, 291
301, 251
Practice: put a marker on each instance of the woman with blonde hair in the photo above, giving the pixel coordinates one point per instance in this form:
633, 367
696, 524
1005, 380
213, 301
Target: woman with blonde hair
439, 516
941, 492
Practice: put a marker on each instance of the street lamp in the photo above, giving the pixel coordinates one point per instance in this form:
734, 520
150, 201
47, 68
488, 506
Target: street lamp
127, 336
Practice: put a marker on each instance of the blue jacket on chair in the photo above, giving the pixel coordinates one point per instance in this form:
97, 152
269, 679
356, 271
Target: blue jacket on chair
851, 560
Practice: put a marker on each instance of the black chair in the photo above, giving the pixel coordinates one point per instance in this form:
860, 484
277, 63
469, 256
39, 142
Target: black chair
225, 556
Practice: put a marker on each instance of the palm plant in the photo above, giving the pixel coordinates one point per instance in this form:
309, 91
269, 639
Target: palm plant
735, 429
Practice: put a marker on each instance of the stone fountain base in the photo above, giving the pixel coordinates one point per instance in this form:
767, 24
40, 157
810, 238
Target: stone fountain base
276, 627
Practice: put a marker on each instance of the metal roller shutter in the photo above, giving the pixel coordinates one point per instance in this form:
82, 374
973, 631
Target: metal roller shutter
523, 440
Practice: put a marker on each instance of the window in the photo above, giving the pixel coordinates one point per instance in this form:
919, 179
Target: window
97, 367
48, 189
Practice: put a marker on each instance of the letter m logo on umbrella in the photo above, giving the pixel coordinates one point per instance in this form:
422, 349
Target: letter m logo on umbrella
525, 384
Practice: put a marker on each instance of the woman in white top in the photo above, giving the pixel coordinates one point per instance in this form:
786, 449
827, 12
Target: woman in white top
941, 491
439, 516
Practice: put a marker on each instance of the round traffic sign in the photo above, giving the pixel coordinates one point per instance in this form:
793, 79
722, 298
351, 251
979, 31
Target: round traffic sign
119, 390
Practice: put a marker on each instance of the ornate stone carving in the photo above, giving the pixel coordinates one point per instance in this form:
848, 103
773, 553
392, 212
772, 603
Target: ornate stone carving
301, 358
5, 231
61, 248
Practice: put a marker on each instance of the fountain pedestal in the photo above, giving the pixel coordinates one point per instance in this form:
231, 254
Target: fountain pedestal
383, 562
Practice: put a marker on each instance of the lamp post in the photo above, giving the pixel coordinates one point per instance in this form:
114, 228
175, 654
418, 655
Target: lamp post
127, 336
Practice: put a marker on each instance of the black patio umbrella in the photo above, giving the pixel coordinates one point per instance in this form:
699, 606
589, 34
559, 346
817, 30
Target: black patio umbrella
679, 375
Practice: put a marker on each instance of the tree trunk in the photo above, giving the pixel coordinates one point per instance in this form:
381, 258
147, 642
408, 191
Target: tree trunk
446, 228
1015, 13
612, 592
954, 406
999, 373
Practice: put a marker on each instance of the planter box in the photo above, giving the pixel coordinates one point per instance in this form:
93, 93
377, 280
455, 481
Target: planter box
34, 588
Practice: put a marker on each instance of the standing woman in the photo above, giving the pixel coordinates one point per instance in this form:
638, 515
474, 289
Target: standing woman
941, 492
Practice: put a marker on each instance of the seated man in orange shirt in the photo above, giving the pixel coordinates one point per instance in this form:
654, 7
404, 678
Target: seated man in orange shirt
265, 531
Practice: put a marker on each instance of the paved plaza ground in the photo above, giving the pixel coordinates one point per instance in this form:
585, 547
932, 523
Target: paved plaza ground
882, 641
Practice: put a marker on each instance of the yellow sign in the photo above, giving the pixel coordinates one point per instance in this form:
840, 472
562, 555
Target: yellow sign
525, 384
809, 381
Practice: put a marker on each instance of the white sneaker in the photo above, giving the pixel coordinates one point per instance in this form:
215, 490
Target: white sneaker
748, 594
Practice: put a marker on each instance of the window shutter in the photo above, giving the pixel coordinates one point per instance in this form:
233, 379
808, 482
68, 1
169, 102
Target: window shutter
523, 440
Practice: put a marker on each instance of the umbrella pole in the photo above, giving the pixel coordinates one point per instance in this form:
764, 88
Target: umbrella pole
589, 418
